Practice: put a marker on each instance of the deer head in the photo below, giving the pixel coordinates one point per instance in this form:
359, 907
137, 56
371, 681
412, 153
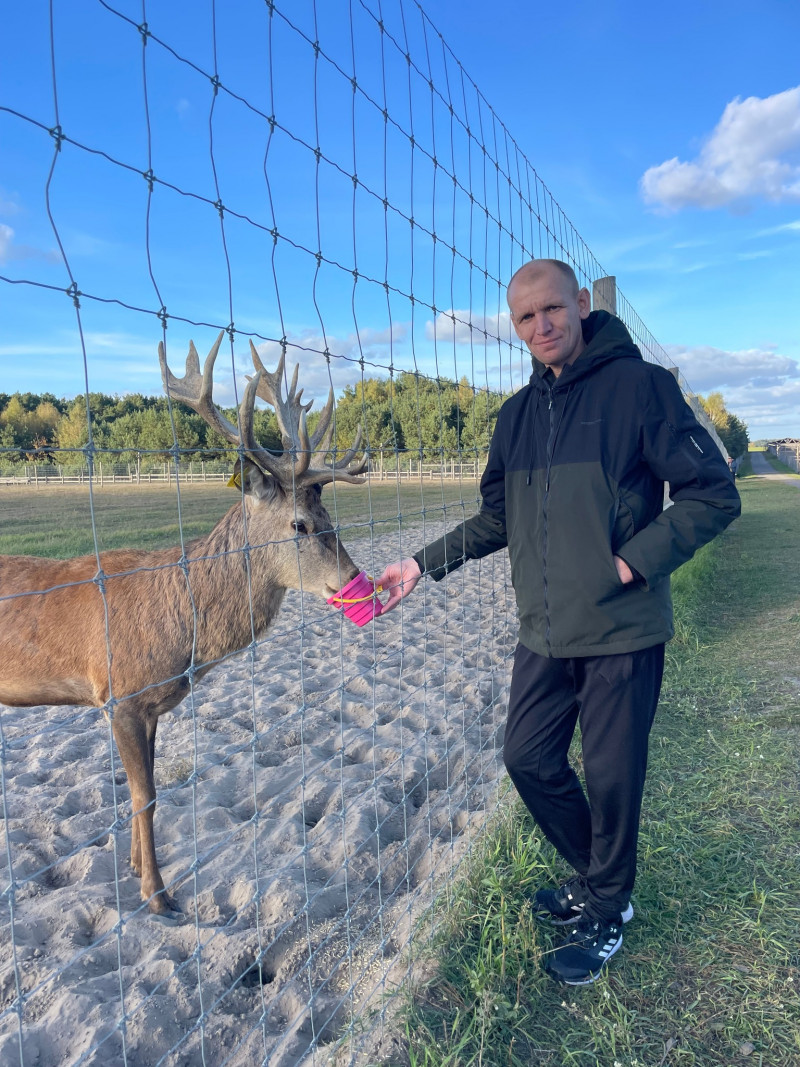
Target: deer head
282, 491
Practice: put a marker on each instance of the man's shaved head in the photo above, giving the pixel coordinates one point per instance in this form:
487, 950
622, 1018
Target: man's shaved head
547, 310
528, 271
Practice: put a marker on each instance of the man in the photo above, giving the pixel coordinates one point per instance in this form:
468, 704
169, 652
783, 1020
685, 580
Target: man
574, 487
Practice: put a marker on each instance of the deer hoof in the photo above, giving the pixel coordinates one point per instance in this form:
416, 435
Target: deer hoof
164, 906
169, 918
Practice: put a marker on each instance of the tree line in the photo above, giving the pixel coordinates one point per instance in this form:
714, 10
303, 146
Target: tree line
409, 415
427, 419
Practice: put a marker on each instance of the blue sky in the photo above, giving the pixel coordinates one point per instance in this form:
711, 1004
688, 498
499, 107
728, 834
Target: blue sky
670, 139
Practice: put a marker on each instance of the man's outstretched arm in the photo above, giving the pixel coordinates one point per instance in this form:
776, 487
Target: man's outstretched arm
477, 537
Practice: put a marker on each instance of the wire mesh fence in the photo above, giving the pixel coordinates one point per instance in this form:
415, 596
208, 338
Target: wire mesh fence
327, 182
43, 475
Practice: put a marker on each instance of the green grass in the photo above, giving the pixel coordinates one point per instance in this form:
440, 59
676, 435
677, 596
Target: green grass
709, 973
56, 521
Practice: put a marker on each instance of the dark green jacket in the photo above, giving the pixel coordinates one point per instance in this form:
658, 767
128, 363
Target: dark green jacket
576, 475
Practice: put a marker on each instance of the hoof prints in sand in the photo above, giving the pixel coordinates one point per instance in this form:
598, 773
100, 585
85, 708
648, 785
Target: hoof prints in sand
310, 804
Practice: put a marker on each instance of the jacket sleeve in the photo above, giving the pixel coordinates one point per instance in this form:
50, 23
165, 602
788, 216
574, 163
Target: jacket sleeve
479, 535
679, 451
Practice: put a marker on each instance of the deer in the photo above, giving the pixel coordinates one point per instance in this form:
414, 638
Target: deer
128, 631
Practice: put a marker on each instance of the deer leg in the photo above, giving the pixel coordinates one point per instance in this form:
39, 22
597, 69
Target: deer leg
134, 732
136, 849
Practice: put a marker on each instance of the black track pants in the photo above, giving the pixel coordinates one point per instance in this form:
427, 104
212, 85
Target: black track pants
614, 698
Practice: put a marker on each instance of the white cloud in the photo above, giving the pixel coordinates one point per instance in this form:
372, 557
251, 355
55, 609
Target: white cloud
708, 368
6, 237
754, 151
463, 326
9, 204
114, 346
759, 385
787, 227
316, 374
769, 412
694, 267
9, 250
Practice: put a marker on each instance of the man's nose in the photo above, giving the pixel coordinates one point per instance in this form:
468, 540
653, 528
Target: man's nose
543, 325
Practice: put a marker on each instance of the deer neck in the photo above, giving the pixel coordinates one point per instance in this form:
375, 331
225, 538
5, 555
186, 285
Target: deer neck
236, 593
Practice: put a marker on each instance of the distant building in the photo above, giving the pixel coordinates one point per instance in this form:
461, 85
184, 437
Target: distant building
787, 450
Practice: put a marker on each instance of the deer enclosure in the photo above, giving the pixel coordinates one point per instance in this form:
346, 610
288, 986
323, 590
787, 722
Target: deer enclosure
315, 794
281, 185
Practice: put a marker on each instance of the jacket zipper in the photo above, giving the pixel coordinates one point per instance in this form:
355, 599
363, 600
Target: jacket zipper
550, 446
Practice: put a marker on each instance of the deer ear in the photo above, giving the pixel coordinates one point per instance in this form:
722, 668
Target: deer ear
253, 481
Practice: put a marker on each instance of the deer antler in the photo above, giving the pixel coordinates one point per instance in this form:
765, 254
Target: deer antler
291, 415
294, 467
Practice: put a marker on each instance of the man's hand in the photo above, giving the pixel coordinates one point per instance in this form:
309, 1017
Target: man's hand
626, 575
399, 579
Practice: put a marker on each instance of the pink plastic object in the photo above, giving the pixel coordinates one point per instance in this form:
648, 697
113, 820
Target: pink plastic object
358, 600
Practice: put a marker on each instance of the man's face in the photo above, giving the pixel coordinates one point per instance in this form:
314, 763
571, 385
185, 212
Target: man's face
547, 316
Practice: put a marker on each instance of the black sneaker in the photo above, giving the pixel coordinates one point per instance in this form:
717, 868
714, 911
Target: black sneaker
581, 958
565, 905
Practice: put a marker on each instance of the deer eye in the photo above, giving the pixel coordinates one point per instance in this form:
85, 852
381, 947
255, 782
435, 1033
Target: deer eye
300, 527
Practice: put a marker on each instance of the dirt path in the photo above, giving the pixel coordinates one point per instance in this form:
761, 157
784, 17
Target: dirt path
761, 467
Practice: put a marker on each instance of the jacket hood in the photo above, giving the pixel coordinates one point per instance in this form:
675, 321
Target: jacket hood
606, 338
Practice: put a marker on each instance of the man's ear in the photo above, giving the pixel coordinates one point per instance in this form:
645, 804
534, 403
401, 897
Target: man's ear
584, 303
254, 481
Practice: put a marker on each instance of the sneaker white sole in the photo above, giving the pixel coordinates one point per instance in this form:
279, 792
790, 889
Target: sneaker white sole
593, 976
627, 915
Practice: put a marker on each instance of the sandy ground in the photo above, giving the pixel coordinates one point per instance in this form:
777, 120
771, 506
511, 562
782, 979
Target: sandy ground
313, 799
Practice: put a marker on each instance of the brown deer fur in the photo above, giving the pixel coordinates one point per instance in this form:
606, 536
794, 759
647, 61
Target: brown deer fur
126, 637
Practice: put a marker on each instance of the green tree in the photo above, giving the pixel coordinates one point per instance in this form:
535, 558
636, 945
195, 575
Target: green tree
429, 416
265, 431
368, 404
151, 431
28, 422
16, 421
732, 431
45, 420
72, 431
479, 423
